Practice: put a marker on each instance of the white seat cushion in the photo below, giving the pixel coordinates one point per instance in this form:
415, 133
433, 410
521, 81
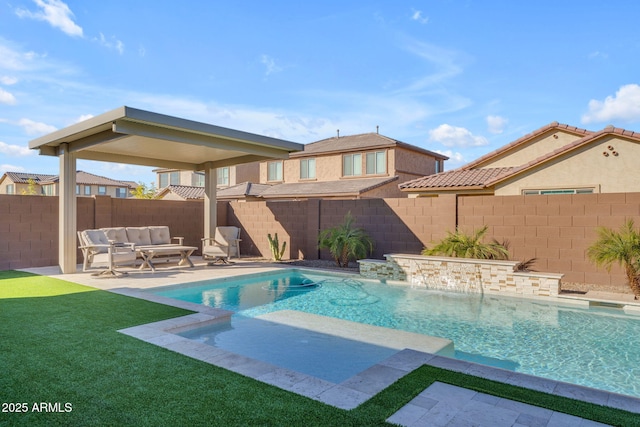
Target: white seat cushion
116, 234
97, 238
138, 235
159, 235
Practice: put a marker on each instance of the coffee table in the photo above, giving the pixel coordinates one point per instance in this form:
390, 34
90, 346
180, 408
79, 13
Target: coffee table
150, 252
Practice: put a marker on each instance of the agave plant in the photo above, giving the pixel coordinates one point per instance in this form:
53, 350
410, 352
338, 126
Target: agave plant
462, 245
345, 241
619, 247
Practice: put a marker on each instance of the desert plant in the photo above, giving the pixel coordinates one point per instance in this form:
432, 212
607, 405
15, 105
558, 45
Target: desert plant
274, 245
462, 245
143, 192
619, 247
346, 241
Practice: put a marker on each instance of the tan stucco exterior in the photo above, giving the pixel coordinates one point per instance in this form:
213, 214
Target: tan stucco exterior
585, 167
537, 147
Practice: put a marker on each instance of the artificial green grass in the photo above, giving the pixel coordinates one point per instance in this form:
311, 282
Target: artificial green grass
59, 344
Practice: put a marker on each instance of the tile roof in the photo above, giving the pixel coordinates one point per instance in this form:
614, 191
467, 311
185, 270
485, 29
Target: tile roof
245, 189
186, 192
82, 177
358, 142
23, 177
458, 178
465, 177
526, 138
344, 187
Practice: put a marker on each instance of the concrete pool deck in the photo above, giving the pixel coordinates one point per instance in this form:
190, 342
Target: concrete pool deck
439, 404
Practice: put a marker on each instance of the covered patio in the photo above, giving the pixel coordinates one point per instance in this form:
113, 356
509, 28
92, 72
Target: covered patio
139, 137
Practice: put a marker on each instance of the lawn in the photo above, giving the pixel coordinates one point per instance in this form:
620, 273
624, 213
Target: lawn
59, 345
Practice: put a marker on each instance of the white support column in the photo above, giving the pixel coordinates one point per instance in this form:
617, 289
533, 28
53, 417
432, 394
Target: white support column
210, 201
67, 211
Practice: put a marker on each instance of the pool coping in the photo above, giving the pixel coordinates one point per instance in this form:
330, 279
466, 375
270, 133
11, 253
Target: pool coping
354, 391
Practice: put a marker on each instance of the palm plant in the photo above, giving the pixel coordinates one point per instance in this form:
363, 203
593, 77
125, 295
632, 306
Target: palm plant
462, 245
619, 247
346, 241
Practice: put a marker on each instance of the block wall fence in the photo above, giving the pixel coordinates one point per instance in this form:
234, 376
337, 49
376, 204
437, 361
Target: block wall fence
554, 229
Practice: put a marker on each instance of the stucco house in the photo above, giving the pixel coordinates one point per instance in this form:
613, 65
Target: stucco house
87, 184
367, 165
555, 159
226, 176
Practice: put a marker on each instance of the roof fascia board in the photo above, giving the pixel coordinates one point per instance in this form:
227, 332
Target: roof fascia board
168, 134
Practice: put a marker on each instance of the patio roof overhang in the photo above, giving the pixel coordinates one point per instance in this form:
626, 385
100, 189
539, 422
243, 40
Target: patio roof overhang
133, 136
129, 135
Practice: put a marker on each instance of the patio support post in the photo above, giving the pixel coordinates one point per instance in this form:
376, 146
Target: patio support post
210, 200
67, 210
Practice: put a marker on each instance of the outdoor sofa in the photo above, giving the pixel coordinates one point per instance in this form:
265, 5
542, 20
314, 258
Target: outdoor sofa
147, 243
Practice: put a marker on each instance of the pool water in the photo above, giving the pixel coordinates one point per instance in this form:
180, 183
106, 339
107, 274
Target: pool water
592, 346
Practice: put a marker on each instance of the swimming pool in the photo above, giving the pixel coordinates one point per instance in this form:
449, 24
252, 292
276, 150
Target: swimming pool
593, 346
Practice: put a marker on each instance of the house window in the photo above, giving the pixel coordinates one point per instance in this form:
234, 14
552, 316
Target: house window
169, 178
352, 165
438, 166
102, 190
223, 176
77, 189
197, 179
121, 192
307, 168
10, 189
274, 171
558, 191
376, 163
47, 190
87, 190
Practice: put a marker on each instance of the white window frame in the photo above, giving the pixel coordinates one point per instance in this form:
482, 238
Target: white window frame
352, 164
378, 162
223, 176
554, 191
275, 172
308, 168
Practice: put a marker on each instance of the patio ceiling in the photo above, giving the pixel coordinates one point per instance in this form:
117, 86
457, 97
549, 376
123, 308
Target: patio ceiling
129, 135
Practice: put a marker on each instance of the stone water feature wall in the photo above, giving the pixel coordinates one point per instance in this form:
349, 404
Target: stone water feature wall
462, 275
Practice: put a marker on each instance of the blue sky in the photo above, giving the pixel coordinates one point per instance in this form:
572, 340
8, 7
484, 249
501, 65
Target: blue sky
458, 77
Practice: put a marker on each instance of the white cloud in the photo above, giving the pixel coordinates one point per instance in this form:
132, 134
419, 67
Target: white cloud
11, 168
454, 157
36, 128
496, 124
14, 150
6, 97
82, 118
112, 43
452, 136
419, 17
7, 80
625, 105
56, 13
270, 64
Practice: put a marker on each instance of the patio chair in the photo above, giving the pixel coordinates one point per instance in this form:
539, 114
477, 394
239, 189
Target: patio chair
99, 251
214, 251
230, 237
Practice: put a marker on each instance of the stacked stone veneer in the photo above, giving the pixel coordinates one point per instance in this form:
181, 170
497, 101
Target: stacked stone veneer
460, 274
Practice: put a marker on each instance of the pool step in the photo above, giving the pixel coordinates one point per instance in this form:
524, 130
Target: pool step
377, 335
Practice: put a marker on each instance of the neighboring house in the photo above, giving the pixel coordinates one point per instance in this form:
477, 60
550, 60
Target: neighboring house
348, 167
87, 184
555, 159
226, 176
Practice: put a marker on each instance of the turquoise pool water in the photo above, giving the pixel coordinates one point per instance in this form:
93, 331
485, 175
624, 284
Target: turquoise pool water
593, 346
